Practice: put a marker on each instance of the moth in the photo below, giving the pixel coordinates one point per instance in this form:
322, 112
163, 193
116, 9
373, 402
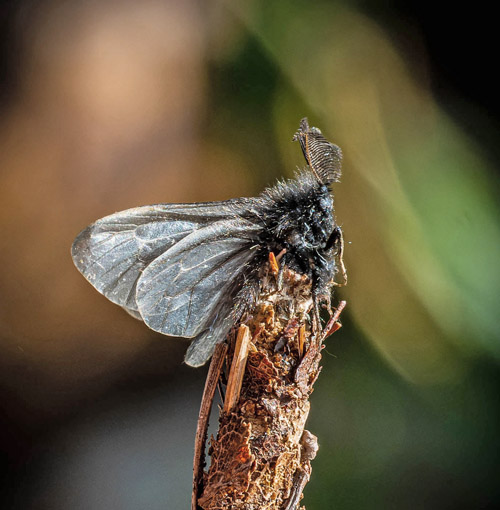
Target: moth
192, 270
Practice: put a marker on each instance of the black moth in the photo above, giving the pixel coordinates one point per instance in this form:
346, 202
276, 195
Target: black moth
191, 270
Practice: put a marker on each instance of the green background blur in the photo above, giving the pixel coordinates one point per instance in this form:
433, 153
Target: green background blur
113, 104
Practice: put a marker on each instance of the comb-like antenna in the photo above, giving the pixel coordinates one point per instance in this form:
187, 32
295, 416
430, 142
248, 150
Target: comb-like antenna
324, 158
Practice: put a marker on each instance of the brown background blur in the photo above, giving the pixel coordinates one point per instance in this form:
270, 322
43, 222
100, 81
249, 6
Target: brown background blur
113, 104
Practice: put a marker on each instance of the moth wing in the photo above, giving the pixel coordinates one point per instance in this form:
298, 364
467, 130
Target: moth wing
190, 288
113, 252
202, 346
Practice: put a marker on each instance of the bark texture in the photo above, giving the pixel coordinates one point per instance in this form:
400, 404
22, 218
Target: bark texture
261, 456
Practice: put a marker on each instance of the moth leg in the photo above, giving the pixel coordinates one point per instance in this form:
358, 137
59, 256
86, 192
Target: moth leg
281, 273
315, 311
337, 241
280, 254
326, 301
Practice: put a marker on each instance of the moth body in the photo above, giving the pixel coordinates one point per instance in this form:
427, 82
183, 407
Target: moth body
192, 270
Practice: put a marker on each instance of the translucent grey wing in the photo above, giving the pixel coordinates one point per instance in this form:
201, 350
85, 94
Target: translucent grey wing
113, 252
229, 310
134, 313
202, 347
181, 293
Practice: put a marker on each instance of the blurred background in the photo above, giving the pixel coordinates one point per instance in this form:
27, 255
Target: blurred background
107, 105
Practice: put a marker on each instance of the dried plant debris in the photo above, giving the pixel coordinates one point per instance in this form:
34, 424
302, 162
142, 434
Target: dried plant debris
261, 456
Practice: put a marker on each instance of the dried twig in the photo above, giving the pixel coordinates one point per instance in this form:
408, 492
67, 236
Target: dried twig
261, 456
203, 417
